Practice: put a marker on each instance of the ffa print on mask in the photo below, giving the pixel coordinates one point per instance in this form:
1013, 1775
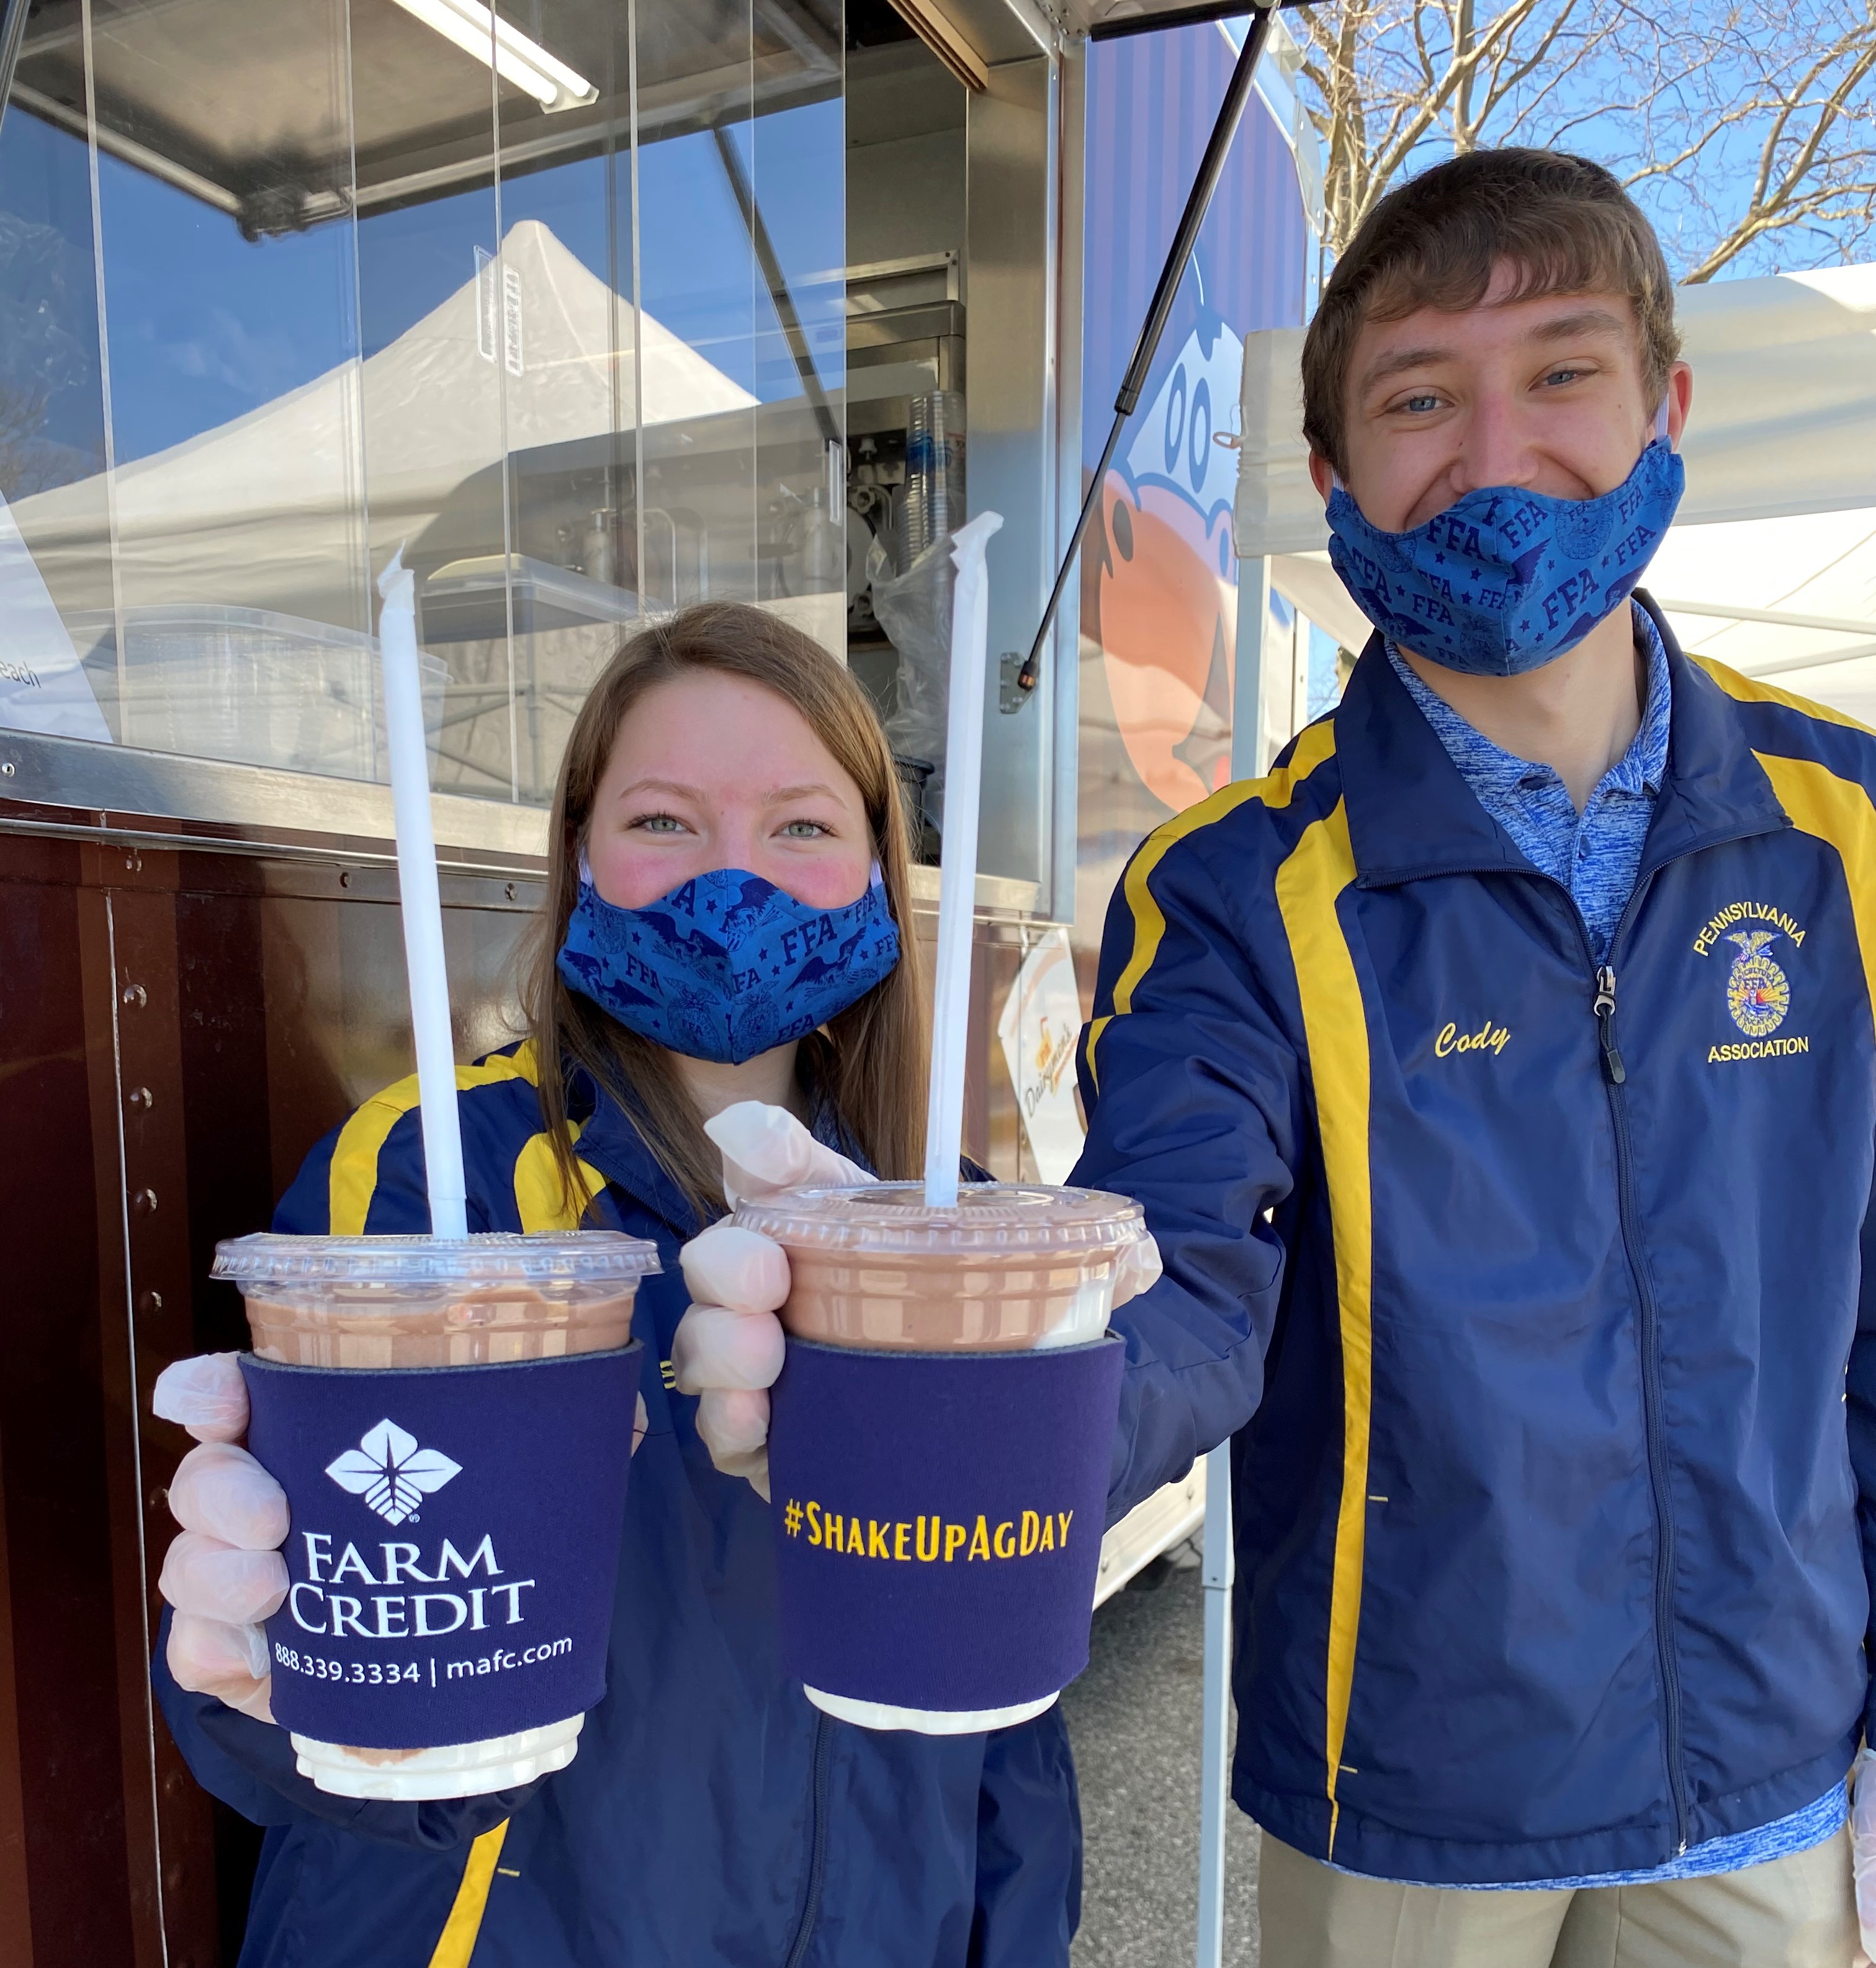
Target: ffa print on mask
1758, 992
726, 966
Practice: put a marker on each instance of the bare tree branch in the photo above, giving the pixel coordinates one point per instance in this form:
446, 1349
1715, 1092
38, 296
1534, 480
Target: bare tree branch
1744, 125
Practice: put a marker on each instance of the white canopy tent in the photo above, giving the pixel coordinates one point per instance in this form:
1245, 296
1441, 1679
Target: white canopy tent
267, 511
1772, 565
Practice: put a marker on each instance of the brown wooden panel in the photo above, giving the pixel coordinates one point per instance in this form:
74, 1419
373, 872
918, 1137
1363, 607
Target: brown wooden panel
16, 1905
149, 1325
54, 1454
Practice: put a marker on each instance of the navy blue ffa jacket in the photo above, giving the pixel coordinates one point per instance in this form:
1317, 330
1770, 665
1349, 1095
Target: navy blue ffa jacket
1541, 1294
711, 1815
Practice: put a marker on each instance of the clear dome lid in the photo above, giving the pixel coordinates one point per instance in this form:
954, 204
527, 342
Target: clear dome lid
893, 1218
494, 1257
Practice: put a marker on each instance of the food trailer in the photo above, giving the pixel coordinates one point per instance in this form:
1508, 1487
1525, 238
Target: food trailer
596, 310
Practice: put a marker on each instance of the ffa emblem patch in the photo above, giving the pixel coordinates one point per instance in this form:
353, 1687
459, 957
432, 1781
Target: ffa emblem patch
1757, 992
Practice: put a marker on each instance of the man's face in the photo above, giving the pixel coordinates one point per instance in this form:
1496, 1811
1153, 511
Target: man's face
1544, 394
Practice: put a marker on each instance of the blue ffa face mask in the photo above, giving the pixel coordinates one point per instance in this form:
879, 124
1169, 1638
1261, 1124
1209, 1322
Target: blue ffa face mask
726, 966
1504, 581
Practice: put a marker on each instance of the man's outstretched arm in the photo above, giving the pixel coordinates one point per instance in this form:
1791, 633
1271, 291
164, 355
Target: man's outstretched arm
1192, 1092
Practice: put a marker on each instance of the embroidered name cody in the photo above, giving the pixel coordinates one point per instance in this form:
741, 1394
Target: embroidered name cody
1488, 1038
402, 1614
928, 1540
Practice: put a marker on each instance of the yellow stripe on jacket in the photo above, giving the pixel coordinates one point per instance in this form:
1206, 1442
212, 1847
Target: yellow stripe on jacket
1838, 812
1275, 789
352, 1180
1335, 1031
1749, 690
540, 1198
457, 1941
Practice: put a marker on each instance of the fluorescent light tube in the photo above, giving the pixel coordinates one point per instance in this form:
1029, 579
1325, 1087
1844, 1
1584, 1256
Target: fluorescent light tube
477, 32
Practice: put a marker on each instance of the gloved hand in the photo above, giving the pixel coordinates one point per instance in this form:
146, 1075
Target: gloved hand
728, 1347
1863, 1847
224, 1574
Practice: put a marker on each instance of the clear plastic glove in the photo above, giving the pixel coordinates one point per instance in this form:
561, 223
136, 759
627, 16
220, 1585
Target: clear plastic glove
224, 1574
1863, 1847
728, 1347
727, 1350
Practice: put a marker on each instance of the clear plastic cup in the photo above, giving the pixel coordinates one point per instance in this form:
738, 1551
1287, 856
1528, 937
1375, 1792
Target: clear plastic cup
1010, 1268
380, 1303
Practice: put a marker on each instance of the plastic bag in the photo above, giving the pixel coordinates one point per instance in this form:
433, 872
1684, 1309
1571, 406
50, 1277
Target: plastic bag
915, 609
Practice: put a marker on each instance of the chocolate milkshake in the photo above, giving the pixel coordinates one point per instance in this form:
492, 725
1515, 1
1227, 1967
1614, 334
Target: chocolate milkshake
388, 1305
1010, 1268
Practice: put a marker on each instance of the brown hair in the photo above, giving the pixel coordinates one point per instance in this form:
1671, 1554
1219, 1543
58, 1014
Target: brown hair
868, 1064
1562, 222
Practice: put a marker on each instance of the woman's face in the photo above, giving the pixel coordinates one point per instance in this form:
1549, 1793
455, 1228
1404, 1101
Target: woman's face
709, 771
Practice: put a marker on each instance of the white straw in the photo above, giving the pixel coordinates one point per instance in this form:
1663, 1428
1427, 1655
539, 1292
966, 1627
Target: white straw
422, 907
958, 880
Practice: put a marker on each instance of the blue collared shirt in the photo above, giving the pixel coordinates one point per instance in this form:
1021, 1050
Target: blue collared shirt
1594, 853
1597, 855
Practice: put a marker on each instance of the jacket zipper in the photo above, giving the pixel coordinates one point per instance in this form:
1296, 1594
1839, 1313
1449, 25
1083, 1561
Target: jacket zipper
1654, 1426
816, 1843
1605, 1008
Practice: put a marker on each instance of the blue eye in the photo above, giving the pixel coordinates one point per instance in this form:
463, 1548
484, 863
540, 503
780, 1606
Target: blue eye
803, 830
660, 823
1422, 403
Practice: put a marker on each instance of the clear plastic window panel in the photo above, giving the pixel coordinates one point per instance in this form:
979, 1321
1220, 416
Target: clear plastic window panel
551, 298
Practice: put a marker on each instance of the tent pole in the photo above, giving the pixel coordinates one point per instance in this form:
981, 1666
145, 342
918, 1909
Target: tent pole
1214, 1768
769, 262
12, 34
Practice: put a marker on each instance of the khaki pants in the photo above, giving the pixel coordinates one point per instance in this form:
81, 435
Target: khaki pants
1796, 1912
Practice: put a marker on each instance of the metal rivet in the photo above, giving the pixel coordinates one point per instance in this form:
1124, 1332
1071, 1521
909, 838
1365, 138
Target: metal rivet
175, 1784
140, 1097
159, 1498
511, 890
145, 1202
135, 994
149, 1301
8, 769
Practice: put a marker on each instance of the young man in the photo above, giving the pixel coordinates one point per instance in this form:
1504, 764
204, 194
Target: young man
1498, 1075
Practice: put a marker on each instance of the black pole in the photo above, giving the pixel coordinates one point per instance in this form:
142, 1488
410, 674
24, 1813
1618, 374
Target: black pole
776, 281
1198, 203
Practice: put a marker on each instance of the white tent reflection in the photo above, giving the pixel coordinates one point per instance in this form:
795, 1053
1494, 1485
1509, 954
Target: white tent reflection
1771, 566
269, 510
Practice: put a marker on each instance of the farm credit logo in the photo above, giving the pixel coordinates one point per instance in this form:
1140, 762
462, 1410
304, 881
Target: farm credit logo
390, 1472
375, 1591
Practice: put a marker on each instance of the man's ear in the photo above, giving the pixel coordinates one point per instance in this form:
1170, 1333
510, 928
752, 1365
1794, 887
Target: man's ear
1680, 401
1322, 475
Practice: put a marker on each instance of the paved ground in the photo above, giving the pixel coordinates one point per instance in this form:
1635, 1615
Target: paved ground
1134, 1717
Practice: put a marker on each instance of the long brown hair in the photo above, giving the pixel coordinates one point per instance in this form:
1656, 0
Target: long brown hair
868, 1065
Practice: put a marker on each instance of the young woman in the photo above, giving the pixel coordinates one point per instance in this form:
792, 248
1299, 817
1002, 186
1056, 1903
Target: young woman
711, 1815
